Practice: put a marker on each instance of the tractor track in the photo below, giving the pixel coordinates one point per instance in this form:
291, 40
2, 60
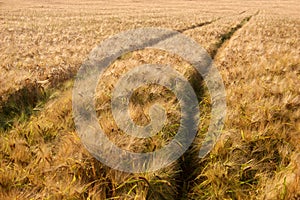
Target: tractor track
24, 100
191, 156
197, 25
227, 36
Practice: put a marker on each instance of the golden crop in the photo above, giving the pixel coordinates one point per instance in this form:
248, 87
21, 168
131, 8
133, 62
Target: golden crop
255, 46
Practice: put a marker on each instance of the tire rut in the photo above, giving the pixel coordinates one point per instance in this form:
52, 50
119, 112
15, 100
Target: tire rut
197, 25
22, 102
188, 169
227, 36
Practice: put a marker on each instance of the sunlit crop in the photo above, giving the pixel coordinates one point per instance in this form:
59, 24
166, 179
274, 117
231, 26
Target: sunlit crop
255, 46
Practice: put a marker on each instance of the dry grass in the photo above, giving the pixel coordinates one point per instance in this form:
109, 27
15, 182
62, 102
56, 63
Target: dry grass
43, 43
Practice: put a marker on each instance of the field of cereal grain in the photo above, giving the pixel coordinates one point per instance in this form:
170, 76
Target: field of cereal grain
254, 44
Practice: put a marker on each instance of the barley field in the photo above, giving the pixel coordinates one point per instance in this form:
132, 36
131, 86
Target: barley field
254, 44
